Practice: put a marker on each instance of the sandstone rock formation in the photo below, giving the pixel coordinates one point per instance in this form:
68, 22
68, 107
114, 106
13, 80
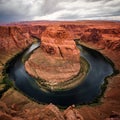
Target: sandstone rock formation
21, 108
57, 60
15, 106
51, 112
72, 114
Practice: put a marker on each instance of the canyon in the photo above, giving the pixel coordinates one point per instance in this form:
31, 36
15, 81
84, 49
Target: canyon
103, 36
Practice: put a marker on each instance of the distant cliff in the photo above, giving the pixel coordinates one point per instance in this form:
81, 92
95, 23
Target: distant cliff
18, 36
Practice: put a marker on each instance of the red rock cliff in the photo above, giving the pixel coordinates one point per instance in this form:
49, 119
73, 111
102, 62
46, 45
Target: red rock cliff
58, 59
58, 42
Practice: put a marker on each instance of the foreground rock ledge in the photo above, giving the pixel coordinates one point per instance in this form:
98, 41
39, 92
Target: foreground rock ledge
58, 58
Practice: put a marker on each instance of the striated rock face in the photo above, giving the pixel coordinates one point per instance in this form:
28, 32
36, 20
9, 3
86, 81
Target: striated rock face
58, 58
12, 41
13, 38
58, 42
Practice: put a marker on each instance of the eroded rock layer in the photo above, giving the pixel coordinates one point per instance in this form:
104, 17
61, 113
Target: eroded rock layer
101, 35
57, 60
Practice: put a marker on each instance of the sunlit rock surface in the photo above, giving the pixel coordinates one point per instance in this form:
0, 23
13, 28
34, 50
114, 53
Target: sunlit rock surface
101, 35
58, 59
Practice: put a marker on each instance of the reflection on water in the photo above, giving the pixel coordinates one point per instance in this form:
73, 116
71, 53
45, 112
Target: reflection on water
86, 92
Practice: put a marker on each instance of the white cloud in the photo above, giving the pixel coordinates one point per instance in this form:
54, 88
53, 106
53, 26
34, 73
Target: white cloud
16, 10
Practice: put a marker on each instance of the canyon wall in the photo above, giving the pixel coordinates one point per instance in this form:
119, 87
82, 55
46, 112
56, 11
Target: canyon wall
18, 36
103, 36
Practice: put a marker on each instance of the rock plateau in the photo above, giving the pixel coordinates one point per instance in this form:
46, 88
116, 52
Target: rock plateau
57, 60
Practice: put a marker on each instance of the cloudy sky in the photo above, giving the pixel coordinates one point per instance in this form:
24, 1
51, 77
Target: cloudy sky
27, 10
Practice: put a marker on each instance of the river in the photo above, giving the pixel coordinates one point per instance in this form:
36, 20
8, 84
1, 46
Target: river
84, 93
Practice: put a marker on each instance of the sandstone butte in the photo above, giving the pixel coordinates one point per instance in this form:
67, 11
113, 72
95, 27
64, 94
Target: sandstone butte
103, 36
57, 60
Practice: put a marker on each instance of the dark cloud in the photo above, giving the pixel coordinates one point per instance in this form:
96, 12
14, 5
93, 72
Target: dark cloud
98, 0
50, 6
69, 16
20, 10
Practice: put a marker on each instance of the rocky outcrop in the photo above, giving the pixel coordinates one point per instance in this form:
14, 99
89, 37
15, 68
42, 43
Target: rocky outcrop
72, 114
58, 58
13, 38
12, 41
91, 35
21, 108
112, 45
59, 42
51, 112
